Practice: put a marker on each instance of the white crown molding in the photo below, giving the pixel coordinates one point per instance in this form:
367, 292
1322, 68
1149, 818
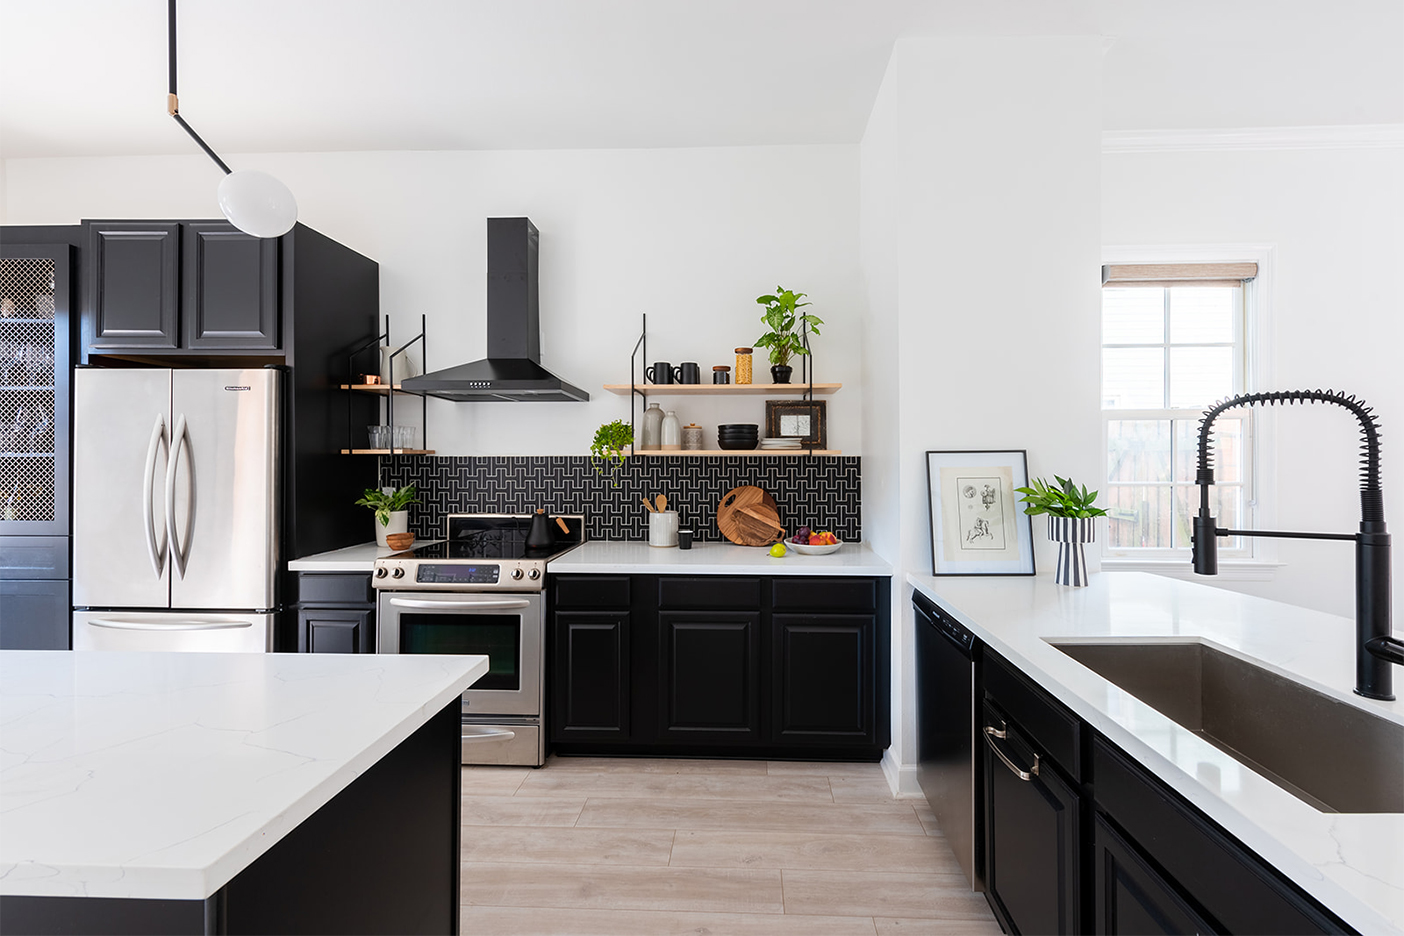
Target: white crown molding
1355, 136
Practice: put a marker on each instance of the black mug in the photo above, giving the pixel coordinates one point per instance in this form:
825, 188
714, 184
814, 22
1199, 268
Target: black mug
660, 373
689, 372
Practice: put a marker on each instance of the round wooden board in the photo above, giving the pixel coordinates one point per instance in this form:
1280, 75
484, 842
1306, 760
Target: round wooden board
746, 529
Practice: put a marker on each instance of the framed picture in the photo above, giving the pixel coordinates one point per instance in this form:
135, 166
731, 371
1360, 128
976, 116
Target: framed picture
977, 524
797, 419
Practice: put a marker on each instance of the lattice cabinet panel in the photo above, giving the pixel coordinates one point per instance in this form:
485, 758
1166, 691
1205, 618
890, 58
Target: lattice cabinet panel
29, 392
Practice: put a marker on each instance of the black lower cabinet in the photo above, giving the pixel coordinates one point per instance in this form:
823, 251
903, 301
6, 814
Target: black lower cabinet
335, 612
591, 698
1032, 845
719, 666
709, 676
1130, 896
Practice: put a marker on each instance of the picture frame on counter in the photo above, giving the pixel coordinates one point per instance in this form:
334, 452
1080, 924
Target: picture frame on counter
977, 526
805, 420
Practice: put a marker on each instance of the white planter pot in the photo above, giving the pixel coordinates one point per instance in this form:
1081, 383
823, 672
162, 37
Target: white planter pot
399, 523
1071, 533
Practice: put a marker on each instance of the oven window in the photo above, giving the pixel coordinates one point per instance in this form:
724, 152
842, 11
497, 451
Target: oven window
496, 635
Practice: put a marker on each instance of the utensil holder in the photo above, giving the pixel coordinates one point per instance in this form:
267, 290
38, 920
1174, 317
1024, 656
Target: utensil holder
663, 528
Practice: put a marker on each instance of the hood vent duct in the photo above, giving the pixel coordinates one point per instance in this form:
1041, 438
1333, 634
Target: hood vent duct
512, 371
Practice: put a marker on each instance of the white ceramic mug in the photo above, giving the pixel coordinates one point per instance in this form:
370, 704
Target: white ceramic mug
663, 528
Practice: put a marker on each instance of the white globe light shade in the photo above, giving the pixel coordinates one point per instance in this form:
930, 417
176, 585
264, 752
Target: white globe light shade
257, 204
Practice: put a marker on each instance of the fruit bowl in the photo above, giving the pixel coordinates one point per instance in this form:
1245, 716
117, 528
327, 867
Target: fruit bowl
804, 549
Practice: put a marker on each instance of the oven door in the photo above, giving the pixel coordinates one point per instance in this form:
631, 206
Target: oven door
506, 628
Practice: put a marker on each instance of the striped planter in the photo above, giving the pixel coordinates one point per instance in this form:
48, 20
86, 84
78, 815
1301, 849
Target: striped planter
1070, 533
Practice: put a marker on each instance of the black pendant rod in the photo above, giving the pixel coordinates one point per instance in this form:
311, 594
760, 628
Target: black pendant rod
172, 102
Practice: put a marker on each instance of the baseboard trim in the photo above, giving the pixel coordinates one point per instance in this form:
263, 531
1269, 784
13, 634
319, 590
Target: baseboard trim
902, 778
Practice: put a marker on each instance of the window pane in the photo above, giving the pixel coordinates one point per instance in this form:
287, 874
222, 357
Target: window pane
1225, 500
1133, 378
1202, 313
1138, 517
1133, 315
1227, 445
1199, 376
1138, 450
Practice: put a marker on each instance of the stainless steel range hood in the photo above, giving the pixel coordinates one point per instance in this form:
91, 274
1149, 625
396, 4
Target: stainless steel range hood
512, 371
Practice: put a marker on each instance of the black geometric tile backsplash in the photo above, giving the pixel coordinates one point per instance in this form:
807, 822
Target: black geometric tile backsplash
819, 491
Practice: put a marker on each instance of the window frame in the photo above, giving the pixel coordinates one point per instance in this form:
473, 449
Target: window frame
1257, 559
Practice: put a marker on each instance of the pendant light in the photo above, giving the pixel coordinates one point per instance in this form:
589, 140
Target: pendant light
253, 201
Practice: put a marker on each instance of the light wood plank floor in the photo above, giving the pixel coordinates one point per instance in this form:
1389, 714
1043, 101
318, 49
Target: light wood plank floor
623, 846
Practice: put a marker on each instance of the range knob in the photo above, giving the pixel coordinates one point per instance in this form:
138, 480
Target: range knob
516, 574
398, 573
534, 574
380, 573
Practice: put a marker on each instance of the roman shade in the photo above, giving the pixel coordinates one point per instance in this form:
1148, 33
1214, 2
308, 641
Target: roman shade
1178, 274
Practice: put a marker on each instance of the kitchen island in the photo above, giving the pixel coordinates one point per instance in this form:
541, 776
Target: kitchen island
1352, 863
228, 792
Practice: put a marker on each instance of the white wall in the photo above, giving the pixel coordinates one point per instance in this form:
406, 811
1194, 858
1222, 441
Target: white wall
1335, 218
990, 309
690, 236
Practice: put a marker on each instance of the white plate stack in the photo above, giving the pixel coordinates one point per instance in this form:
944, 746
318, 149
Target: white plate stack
772, 445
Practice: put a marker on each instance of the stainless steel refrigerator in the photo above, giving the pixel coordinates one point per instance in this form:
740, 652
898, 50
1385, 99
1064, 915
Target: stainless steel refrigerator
176, 507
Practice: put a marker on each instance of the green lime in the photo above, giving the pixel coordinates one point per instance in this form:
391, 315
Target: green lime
778, 550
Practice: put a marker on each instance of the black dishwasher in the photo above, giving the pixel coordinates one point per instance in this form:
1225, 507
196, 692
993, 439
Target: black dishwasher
947, 767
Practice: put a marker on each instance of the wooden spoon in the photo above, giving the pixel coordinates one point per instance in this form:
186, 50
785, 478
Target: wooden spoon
662, 502
649, 504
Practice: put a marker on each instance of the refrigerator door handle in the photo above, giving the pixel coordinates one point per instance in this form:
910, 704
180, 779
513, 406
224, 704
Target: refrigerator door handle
176, 626
180, 442
154, 548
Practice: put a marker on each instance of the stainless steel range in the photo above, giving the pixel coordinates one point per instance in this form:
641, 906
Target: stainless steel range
480, 591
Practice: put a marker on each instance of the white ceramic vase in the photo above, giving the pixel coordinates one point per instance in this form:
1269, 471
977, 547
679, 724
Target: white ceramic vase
399, 523
404, 366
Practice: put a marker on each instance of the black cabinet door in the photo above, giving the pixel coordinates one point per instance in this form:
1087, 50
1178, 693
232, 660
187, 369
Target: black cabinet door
709, 676
335, 630
822, 678
1130, 896
590, 673
1031, 828
229, 286
34, 615
131, 297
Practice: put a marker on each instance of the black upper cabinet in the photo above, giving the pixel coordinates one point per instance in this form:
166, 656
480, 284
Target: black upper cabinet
171, 286
709, 676
229, 284
823, 678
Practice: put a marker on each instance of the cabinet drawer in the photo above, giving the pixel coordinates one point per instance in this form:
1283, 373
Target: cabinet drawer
704, 592
823, 594
1039, 716
592, 591
1230, 883
33, 557
335, 588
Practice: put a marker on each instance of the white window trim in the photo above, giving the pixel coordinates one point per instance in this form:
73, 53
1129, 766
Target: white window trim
1261, 375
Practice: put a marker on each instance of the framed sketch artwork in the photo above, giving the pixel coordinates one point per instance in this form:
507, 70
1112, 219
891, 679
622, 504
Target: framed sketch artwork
977, 525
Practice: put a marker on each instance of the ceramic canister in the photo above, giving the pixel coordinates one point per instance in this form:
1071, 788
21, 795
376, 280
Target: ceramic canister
663, 528
692, 438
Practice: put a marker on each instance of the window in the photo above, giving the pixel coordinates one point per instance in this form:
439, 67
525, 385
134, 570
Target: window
1173, 343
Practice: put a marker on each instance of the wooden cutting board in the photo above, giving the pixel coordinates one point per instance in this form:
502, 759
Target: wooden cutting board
748, 517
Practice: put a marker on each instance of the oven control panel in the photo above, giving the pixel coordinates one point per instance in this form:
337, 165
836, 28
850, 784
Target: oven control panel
501, 575
452, 573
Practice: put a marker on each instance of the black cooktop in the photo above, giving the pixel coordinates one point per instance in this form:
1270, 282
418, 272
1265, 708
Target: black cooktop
476, 536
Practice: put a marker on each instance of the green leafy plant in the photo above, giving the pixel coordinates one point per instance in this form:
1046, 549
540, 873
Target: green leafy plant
608, 447
782, 316
388, 501
1064, 500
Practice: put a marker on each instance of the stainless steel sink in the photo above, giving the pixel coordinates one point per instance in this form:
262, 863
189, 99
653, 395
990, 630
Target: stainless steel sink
1326, 752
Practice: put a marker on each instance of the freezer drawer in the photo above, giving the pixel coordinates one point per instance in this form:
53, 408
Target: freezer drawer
173, 630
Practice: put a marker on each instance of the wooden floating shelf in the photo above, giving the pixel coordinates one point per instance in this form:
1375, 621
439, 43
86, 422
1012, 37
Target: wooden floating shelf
387, 451
739, 453
721, 389
381, 389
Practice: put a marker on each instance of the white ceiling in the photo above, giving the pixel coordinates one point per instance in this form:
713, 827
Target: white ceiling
88, 77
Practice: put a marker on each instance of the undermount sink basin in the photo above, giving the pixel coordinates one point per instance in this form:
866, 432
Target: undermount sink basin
1326, 752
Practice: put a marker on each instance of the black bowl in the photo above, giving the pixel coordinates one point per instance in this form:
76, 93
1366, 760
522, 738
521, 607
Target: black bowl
737, 445
739, 427
737, 434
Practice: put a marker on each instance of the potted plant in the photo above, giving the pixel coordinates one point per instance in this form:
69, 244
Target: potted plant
390, 506
608, 447
782, 316
1072, 522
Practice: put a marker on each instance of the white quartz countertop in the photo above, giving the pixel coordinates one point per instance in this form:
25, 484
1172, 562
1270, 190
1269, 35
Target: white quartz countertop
350, 559
714, 559
166, 774
1351, 863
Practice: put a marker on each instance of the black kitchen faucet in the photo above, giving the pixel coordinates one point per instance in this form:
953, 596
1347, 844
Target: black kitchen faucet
1375, 647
